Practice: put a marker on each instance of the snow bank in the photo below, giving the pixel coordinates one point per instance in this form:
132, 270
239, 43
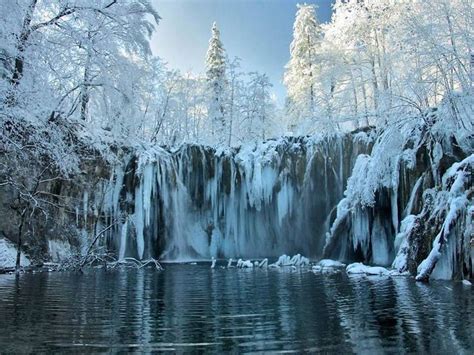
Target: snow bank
8, 255
359, 268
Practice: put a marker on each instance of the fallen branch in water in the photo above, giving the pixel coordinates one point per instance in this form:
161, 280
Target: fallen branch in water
96, 238
138, 264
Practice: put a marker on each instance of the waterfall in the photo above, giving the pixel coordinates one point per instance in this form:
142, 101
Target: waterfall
264, 200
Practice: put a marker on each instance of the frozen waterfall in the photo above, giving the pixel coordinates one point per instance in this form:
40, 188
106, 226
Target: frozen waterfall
259, 201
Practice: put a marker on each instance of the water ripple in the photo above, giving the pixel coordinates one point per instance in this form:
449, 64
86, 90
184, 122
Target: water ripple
192, 308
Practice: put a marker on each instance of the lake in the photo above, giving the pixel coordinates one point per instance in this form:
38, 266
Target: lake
194, 308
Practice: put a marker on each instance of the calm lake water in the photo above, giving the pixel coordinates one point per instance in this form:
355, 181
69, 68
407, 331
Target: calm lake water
193, 308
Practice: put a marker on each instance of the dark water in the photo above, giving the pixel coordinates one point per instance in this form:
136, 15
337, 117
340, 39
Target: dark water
193, 308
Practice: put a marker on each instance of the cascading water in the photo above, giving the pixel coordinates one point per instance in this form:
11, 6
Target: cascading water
259, 201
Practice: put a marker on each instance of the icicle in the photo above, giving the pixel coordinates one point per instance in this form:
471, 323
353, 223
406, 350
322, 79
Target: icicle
85, 204
123, 240
414, 192
250, 202
138, 221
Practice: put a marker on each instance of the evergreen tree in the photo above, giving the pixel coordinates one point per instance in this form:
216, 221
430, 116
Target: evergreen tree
300, 70
216, 78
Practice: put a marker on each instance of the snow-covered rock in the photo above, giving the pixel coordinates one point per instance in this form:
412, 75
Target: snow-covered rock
296, 260
452, 202
359, 268
283, 260
244, 264
328, 263
263, 263
8, 255
299, 260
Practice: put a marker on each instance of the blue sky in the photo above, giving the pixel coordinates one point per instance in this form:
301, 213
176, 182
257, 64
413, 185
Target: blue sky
257, 31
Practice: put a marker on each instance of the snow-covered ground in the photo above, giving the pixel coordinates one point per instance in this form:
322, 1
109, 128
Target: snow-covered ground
8, 255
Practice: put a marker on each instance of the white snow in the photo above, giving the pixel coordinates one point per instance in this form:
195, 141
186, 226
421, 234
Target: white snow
359, 268
330, 263
263, 263
453, 200
242, 264
59, 250
8, 255
401, 243
296, 260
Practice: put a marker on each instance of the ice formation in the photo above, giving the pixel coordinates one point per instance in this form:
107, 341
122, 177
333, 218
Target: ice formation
260, 200
343, 197
451, 201
411, 189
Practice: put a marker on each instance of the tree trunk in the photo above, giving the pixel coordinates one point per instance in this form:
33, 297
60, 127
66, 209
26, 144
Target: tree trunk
19, 242
20, 52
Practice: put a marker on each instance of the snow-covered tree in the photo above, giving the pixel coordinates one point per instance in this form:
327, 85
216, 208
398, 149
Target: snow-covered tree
234, 94
380, 59
259, 108
299, 75
217, 82
68, 69
81, 57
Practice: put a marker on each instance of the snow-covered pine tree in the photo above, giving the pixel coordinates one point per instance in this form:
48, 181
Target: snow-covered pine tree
216, 78
299, 71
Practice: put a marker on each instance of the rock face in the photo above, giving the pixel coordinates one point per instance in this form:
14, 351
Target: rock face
70, 211
361, 197
262, 201
410, 205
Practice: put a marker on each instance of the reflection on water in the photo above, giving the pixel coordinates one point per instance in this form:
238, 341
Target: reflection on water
194, 308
